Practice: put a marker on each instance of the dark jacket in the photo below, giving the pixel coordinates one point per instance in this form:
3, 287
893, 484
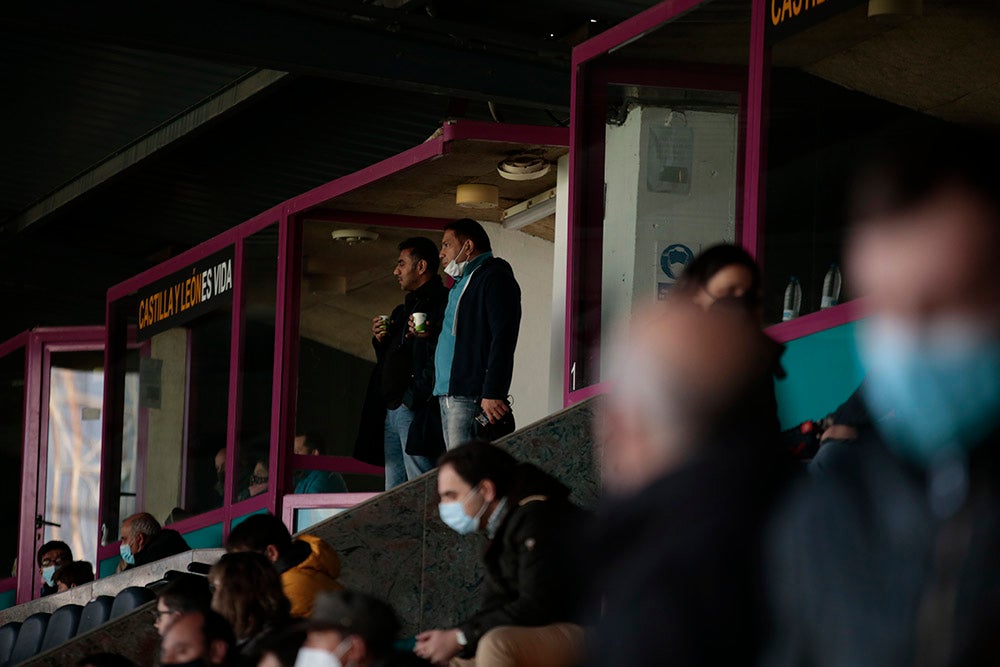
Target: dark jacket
487, 323
166, 543
532, 576
407, 363
404, 368
877, 564
677, 567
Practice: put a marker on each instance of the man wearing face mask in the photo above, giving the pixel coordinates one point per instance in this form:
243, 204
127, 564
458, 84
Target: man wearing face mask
349, 629
474, 359
893, 557
144, 541
51, 556
533, 579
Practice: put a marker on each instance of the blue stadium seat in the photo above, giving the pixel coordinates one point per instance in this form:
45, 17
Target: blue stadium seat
8, 635
62, 625
29, 639
96, 612
130, 598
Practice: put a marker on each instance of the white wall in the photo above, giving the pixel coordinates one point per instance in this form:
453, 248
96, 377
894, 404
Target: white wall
640, 223
531, 259
557, 357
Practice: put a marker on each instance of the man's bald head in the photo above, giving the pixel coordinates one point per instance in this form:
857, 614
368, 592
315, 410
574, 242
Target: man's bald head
681, 372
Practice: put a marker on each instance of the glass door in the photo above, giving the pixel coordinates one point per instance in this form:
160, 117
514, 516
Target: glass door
70, 456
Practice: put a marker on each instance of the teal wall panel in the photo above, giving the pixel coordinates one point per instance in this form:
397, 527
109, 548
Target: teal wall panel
108, 566
209, 537
240, 519
7, 599
823, 370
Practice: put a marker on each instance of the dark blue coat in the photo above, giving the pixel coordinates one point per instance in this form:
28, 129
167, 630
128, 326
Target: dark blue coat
488, 320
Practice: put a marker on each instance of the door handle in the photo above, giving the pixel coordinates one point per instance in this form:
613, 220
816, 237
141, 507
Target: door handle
40, 521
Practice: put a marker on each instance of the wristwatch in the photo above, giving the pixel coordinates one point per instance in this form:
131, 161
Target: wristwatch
460, 636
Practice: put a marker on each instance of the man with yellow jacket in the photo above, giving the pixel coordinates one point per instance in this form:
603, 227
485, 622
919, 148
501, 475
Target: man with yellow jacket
307, 565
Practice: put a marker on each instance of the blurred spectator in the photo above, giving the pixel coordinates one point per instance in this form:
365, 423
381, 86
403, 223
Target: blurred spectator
220, 475
257, 482
282, 648
246, 591
691, 474
104, 660
307, 565
51, 556
73, 574
724, 275
474, 357
531, 587
314, 481
891, 558
187, 593
198, 638
354, 628
144, 541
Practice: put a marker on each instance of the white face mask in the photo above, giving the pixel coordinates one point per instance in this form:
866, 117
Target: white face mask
456, 269
317, 657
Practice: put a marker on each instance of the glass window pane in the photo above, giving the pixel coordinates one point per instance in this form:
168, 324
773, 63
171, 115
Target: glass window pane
11, 448
73, 451
260, 289
656, 169
176, 409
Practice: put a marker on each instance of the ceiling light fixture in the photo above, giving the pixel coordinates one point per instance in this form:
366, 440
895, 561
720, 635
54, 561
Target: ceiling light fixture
477, 195
523, 167
353, 236
529, 211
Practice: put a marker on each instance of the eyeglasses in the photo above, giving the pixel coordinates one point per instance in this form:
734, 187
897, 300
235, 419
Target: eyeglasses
257, 479
48, 562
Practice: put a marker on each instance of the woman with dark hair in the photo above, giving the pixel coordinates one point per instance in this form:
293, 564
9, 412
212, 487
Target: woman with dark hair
726, 276
246, 591
532, 581
723, 274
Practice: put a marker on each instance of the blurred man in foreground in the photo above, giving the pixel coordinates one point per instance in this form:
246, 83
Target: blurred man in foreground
691, 471
893, 558
349, 628
198, 638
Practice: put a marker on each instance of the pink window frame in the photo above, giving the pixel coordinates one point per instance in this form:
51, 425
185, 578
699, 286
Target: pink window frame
587, 71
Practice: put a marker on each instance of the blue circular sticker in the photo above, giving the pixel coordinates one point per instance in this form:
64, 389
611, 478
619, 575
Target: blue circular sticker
674, 258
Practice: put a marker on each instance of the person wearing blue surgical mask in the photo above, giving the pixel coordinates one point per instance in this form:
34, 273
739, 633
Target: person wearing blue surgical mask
51, 556
531, 590
886, 561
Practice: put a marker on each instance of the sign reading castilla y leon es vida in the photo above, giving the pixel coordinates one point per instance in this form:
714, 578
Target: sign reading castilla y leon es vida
193, 291
787, 17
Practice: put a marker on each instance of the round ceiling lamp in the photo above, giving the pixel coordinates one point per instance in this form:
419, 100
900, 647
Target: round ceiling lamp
353, 236
477, 195
523, 167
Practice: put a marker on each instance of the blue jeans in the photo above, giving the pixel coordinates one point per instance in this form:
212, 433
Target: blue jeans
400, 466
457, 415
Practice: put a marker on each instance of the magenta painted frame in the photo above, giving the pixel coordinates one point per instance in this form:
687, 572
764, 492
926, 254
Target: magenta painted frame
38, 345
290, 216
586, 75
586, 87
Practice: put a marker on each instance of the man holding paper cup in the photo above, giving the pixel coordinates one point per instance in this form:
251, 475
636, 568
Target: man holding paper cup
405, 369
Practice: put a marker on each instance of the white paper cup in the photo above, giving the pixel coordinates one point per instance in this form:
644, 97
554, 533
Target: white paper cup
419, 322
